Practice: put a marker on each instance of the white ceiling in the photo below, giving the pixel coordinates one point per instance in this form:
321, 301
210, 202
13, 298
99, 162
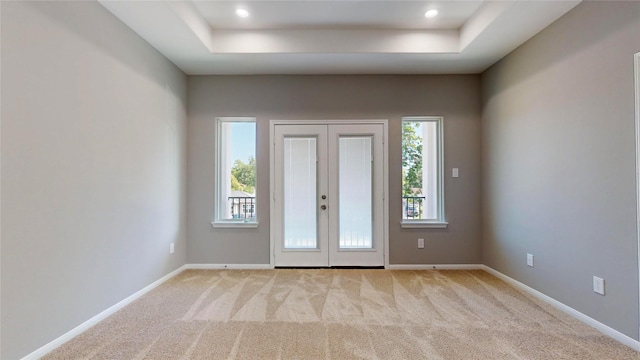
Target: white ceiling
336, 14
336, 36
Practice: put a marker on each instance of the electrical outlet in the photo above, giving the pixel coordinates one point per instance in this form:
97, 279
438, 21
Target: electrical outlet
171, 248
420, 243
598, 285
530, 260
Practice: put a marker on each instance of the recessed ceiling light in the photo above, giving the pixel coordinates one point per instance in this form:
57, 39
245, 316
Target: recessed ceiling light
242, 13
431, 13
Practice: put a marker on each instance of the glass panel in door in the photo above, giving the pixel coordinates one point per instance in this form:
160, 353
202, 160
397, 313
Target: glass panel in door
355, 193
300, 194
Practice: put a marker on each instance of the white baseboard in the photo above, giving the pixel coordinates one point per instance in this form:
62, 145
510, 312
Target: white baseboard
614, 334
388, 267
434, 267
228, 266
101, 316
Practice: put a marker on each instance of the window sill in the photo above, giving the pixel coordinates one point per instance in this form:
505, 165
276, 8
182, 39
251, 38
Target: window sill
234, 224
424, 224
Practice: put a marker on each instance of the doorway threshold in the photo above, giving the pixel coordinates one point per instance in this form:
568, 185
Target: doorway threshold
333, 267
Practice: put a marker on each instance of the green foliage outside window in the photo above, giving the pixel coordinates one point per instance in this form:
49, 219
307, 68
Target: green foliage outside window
243, 176
411, 159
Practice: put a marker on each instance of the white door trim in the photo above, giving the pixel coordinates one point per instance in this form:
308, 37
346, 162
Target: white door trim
272, 186
637, 124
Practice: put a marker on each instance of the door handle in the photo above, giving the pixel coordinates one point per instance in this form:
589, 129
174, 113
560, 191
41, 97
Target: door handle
323, 207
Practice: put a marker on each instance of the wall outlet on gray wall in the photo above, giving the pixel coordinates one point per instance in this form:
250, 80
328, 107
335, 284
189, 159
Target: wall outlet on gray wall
172, 248
598, 285
530, 260
420, 243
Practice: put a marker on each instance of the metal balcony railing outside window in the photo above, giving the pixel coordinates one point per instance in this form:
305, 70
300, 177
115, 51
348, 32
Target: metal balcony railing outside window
412, 207
242, 208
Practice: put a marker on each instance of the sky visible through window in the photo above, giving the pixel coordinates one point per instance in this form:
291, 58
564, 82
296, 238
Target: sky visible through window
243, 141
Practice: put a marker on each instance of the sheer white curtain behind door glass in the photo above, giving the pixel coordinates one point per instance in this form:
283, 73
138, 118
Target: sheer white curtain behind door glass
300, 193
355, 187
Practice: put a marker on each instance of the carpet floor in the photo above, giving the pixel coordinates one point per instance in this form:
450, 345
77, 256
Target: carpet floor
339, 314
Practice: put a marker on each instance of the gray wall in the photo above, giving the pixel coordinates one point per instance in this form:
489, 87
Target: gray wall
93, 168
559, 162
456, 97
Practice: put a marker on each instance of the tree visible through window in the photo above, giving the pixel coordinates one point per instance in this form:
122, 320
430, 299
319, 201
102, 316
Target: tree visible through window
243, 176
422, 169
412, 195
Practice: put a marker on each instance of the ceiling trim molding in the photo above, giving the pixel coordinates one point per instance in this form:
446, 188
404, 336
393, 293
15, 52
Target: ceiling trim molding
335, 41
188, 13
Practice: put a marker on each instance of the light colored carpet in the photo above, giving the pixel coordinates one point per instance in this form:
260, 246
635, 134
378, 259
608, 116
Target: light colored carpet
339, 314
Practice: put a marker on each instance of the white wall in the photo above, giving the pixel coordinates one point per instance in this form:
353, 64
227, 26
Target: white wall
93, 168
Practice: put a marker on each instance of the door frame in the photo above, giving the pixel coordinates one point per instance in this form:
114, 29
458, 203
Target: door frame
385, 180
636, 74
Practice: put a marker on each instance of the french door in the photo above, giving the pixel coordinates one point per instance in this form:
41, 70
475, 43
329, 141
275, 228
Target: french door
328, 195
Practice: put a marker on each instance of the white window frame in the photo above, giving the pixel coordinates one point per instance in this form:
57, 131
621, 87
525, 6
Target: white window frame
219, 220
637, 128
439, 221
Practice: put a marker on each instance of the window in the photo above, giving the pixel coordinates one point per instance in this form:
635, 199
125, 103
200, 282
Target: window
235, 200
422, 172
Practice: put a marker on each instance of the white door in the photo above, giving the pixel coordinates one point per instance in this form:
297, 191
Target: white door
328, 197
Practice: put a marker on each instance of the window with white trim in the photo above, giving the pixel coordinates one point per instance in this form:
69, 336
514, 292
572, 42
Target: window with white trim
422, 172
235, 181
